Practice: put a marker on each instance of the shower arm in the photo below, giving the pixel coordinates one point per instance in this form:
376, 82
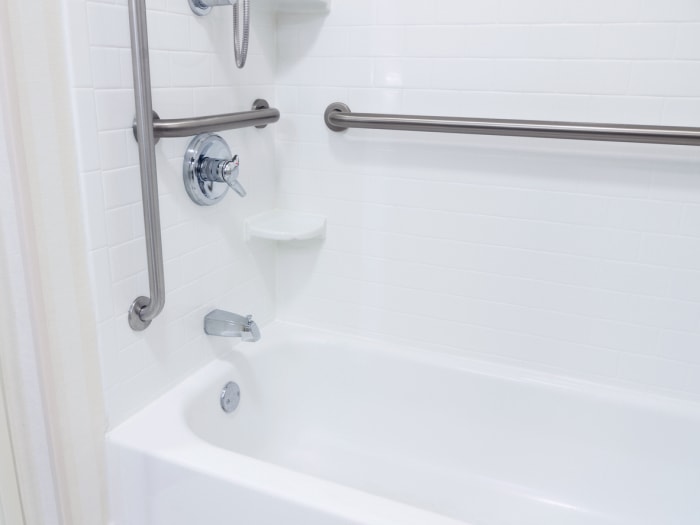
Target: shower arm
148, 128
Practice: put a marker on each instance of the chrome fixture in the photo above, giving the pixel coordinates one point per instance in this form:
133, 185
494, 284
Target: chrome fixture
338, 117
148, 127
209, 169
227, 324
230, 397
240, 45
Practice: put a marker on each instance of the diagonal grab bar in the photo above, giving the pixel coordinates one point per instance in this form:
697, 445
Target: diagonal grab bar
144, 309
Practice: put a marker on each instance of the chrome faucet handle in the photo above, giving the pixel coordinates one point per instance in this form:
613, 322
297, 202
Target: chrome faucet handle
250, 332
209, 169
222, 170
229, 174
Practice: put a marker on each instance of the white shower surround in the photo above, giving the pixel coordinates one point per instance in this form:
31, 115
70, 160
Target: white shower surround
569, 258
576, 258
336, 430
208, 263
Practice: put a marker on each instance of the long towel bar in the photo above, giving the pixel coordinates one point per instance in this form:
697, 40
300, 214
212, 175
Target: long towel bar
338, 117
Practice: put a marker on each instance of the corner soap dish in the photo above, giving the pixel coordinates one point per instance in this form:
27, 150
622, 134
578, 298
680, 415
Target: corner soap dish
284, 225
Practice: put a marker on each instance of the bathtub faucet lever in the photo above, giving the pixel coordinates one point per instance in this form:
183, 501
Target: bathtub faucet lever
228, 324
250, 332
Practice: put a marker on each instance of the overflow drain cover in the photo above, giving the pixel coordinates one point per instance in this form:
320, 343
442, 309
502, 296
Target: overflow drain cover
230, 396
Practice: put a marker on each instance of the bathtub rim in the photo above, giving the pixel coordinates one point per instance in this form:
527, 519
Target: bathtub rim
162, 430
278, 332
499, 367
170, 439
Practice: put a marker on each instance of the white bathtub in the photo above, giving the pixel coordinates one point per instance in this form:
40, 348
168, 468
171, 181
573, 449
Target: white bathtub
336, 430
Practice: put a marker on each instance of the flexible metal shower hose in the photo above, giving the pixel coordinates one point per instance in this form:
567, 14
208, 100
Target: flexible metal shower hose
240, 46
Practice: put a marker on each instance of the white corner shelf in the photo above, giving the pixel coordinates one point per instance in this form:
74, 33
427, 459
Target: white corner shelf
284, 225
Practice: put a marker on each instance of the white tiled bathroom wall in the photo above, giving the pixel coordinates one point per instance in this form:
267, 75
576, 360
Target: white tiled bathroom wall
582, 258
207, 262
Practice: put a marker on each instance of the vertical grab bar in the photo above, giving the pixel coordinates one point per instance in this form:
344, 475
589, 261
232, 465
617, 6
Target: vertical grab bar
144, 309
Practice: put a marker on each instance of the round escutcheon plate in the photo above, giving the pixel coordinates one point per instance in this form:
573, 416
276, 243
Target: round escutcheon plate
230, 397
204, 192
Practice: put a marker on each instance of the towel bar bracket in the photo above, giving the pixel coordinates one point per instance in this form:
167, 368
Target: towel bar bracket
135, 321
135, 128
260, 103
335, 107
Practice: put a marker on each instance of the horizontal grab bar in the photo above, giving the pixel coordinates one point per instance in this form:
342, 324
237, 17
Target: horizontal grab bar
260, 116
338, 117
185, 127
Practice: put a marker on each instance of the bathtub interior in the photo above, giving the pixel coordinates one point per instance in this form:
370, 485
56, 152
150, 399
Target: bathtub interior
478, 443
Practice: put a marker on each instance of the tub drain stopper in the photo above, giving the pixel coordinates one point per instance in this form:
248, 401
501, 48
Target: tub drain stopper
230, 397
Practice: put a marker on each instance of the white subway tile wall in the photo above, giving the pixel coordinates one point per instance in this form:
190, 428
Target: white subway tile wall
581, 258
207, 262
